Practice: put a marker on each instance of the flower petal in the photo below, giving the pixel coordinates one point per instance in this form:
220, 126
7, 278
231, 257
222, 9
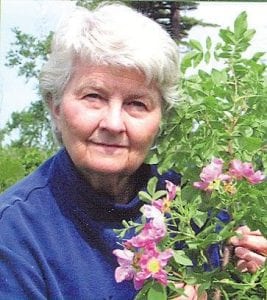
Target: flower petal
124, 273
171, 188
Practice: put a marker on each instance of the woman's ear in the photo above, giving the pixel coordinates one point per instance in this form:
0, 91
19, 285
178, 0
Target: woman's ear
54, 108
55, 116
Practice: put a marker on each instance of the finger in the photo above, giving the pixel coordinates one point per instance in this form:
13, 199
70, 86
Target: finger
179, 285
235, 240
245, 266
248, 255
242, 265
256, 232
243, 230
252, 267
247, 230
189, 293
253, 242
203, 296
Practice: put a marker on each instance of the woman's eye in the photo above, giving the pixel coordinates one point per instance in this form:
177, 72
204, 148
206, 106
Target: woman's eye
94, 100
137, 104
93, 96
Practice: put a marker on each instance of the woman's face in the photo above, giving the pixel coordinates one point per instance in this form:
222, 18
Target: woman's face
108, 118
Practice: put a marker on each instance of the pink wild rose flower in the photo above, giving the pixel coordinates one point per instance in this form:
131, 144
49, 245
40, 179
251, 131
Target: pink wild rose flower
151, 233
245, 170
152, 263
125, 271
141, 265
171, 189
152, 212
211, 176
163, 205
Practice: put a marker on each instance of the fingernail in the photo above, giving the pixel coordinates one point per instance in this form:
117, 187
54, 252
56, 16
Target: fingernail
234, 240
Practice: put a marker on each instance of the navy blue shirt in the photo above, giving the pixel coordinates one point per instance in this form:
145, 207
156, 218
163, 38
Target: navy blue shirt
57, 235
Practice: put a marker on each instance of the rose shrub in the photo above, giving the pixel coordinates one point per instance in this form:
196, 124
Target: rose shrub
216, 138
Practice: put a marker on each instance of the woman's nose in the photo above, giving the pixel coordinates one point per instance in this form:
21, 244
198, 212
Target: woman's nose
112, 119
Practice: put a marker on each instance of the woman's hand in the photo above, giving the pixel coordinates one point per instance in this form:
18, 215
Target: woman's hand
250, 249
191, 292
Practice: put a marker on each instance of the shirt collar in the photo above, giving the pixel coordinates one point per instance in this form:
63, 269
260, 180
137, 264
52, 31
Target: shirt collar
75, 195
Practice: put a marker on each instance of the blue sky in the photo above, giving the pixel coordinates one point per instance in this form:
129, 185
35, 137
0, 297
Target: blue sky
35, 17
38, 17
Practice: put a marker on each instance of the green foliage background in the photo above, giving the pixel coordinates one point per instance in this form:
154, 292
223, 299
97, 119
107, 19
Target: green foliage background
17, 162
222, 113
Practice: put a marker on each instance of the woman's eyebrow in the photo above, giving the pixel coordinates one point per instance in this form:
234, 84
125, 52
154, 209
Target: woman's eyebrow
140, 95
99, 86
87, 84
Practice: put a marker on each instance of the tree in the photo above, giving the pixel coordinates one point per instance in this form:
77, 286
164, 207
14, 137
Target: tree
32, 125
167, 13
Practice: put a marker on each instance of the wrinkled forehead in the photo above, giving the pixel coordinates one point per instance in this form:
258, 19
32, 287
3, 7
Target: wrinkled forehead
83, 65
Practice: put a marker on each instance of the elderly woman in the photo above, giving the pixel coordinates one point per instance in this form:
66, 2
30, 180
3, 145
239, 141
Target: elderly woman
106, 83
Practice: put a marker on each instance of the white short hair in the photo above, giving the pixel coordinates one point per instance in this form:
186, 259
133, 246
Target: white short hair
112, 34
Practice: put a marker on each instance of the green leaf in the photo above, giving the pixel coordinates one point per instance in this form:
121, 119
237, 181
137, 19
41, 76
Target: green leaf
248, 131
159, 194
151, 186
250, 143
203, 75
264, 279
187, 60
208, 43
142, 295
197, 59
207, 57
200, 218
195, 45
153, 159
248, 35
227, 36
258, 55
181, 258
240, 25
145, 197
218, 77
157, 292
